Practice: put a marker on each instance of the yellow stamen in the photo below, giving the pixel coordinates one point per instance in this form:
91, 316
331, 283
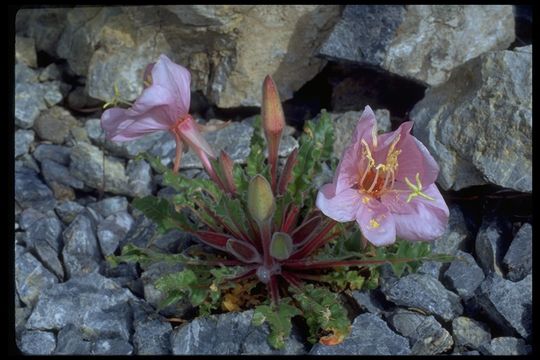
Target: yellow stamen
365, 200
416, 190
374, 224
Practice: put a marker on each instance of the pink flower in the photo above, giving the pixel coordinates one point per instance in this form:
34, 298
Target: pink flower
386, 183
162, 106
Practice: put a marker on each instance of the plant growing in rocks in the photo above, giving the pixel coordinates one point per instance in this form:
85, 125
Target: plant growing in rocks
264, 241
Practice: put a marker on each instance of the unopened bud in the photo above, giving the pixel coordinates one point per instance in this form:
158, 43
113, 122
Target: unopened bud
281, 246
260, 199
272, 112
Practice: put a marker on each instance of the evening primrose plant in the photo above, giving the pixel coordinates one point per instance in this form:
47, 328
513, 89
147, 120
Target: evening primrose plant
268, 238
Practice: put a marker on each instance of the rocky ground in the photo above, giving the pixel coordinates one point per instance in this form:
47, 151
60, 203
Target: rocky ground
468, 93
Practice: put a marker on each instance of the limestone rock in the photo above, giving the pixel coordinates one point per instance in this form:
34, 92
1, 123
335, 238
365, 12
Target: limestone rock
508, 303
212, 336
228, 48
25, 51
426, 293
54, 125
44, 25
23, 140
370, 335
518, 258
421, 42
426, 335
469, 333
478, 125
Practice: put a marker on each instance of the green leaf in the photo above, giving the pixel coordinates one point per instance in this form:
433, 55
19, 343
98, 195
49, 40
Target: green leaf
315, 146
324, 313
162, 213
279, 320
256, 159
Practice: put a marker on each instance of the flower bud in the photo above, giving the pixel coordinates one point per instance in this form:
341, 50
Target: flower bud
272, 112
260, 199
281, 246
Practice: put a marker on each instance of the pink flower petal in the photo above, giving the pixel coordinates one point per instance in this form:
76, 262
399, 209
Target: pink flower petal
123, 124
365, 124
151, 112
340, 207
415, 158
428, 221
351, 161
190, 133
177, 80
377, 223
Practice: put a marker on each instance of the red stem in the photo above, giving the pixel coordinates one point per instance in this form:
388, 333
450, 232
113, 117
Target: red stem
179, 149
314, 243
273, 289
291, 279
314, 264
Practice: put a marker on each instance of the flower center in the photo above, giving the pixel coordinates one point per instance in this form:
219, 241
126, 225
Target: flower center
375, 179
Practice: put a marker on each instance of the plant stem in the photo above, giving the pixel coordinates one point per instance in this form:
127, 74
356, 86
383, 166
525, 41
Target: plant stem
179, 149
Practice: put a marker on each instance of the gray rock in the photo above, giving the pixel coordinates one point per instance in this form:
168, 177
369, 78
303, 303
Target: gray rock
489, 247
78, 38
422, 42
155, 296
345, 123
24, 74
113, 229
28, 103
464, 275
79, 99
165, 149
54, 172
370, 335
50, 73
54, 92
478, 125
426, 293
359, 37
112, 347
31, 278
81, 252
44, 239
89, 164
110, 206
62, 192
71, 342
97, 306
142, 232
23, 139
54, 125
21, 316
139, 175
469, 333
44, 25
466, 353
367, 299
56, 153
127, 149
233, 139
426, 335
174, 241
31, 192
212, 336
152, 332
28, 216
68, 210
518, 258
508, 303
20, 238
506, 346
27, 161
455, 236
37, 343
25, 51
